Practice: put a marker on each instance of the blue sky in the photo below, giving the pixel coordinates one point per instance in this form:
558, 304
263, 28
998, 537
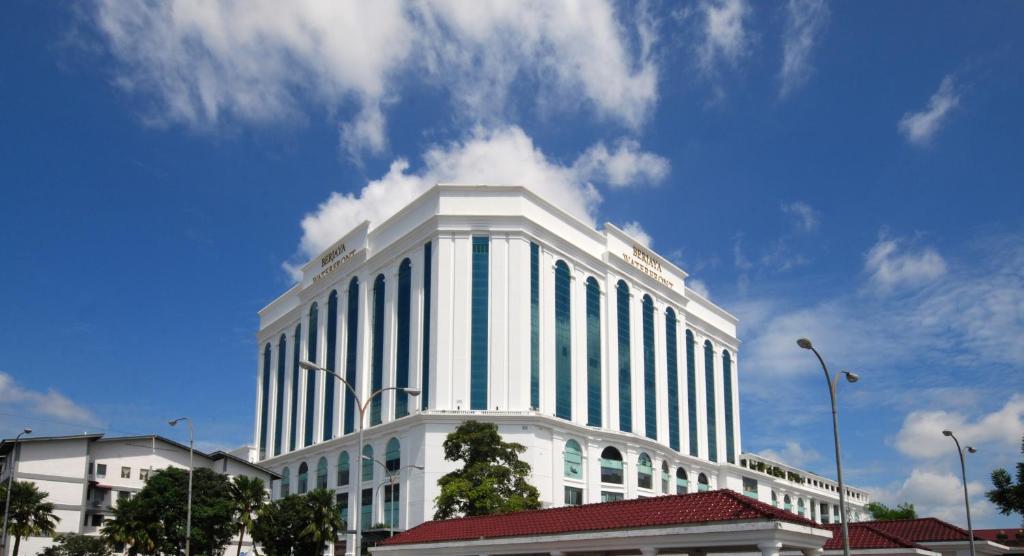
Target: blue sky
850, 172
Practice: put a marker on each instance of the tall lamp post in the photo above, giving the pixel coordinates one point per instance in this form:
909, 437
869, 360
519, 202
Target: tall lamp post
832, 381
361, 406
963, 474
10, 481
191, 450
392, 476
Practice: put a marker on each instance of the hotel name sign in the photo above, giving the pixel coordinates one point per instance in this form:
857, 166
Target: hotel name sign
645, 262
333, 260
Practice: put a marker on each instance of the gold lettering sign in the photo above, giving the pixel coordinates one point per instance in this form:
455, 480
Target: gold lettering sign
645, 262
333, 260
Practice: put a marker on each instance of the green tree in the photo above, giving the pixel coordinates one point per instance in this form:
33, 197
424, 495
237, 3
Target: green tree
881, 512
1007, 495
325, 522
492, 479
298, 525
72, 544
248, 496
130, 529
30, 513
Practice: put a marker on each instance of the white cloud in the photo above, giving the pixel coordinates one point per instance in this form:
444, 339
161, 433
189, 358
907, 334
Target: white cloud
890, 266
637, 232
18, 399
920, 127
208, 63
807, 217
921, 434
805, 21
793, 454
936, 493
699, 286
725, 37
626, 166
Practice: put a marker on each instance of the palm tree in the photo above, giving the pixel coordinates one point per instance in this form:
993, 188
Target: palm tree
30, 514
127, 529
248, 496
325, 523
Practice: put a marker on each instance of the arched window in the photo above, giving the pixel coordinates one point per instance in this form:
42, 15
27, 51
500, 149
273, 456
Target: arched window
286, 482
702, 483
367, 464
573, 460
672, 366
730, 448
534, 326
343, 469
644, 471
775, 499
691, 393
282, 352
650, 394
682, 485
479, 322
787, 503
563, 356
321, 473
427, 277
314, 316
800, 506
351, 350
625, 388
403, 337
293, 421
303, 478
611, 466
264, 401
393, 455
377, 348
709, 389
330, 364
664, 477
593, 353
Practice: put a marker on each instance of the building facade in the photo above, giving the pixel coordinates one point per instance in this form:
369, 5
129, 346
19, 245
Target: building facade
86, 475
582, 345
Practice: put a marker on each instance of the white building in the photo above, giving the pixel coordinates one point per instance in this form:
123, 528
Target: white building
85, 475
582, 345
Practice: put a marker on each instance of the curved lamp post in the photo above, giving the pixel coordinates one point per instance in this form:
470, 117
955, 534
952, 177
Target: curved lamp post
191, 450
10, 479
392, 477
963, 474
361, 406
832, 381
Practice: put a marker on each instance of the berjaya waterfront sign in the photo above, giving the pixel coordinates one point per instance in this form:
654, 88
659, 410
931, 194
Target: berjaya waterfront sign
646, 262
337, 256
332, 260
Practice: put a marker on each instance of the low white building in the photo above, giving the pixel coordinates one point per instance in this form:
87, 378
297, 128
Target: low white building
85, 475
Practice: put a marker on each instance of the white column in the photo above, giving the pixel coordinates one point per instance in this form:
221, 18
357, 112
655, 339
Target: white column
610, 327
769, 548
518, 338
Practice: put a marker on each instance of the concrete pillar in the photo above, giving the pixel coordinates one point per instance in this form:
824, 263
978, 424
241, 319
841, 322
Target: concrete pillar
769, 548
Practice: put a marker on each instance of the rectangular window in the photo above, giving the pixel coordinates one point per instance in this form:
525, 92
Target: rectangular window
607, 496
392, 505
91, 470
126, 472
534, 326
101, 470
425, 382
625, 373
479, 322
563, 356
96, 520
691, 393
341, 502
672, 361
573, 496
143, 474
123, 495
750, 487
593, 353
366, 511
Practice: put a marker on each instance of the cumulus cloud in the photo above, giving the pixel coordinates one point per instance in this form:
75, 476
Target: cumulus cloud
17, 398
793, 454
725, 36
805, 21
921, 433
699, 286
806, 217
891, 266
920, 127
207, 63
637, 232
936, 493
627, 165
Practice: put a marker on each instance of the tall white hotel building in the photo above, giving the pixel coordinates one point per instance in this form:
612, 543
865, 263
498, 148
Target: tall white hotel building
582, 345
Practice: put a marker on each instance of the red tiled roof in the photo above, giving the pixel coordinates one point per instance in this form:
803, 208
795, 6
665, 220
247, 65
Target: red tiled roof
926, 529
681, 509
865, 536
1010, 536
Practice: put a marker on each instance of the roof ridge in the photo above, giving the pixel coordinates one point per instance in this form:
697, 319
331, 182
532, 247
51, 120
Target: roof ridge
891, 536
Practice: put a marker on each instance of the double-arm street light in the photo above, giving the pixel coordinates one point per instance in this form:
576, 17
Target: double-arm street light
832, 381
963, 475
191, 449
392, 477
9, 464
361, 406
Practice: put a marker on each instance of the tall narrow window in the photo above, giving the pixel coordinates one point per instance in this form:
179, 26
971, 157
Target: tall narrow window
293, 422
664, 477
593, 353
303, 478
691, 393
377, 348
366, 468
314, 315
625, 388
393, 455
351, 347
682, 485
403, 337
534, 326
329, 364
702, 483
366, 509
709, 388
392, 499
286, 482
650, 392
282, 352
425, 381
672, 366
479, 323
730, 448
563, 356
573, 460
611, 466
264, 401
321, 473
343, 469
644, 472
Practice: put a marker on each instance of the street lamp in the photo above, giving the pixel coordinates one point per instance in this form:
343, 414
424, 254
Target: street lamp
361, 406
392, 477
832, 380
963, 474
10, 480
191, 449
